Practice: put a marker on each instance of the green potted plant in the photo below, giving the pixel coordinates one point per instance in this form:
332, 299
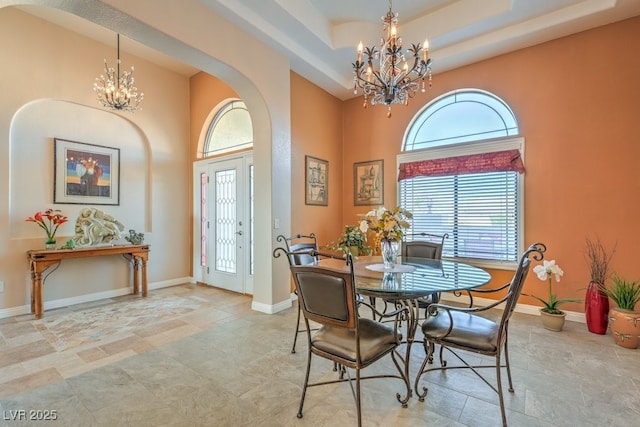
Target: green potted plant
351, 240
551, 315
624, 320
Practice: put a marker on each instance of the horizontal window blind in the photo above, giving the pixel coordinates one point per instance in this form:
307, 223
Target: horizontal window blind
478, 211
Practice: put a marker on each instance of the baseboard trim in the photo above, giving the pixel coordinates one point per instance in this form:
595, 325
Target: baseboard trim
172, 282
50, 305
270, 309
572, 316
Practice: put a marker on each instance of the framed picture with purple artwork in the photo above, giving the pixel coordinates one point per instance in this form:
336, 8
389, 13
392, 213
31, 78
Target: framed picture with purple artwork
85, 174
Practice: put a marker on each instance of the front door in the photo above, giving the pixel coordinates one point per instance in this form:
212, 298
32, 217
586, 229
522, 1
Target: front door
225, 212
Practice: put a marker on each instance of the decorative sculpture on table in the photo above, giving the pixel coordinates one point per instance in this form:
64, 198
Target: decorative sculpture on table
94, 227
134, 238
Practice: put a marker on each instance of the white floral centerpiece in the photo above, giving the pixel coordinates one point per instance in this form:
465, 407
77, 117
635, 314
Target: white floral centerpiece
388, 226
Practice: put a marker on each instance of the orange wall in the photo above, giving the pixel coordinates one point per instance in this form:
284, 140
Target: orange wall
206, 92
316, 130
576, 101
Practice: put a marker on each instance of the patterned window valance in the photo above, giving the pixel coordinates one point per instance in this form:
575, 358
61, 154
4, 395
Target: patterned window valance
500, 161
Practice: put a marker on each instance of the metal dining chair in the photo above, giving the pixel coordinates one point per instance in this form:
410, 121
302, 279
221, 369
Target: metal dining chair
427, 246
473, 331
298, 248
327, 296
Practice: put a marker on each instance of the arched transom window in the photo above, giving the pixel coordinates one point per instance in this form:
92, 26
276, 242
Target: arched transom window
230, 130
460, 174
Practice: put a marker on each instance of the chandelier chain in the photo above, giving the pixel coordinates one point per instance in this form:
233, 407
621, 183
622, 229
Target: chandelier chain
117, 91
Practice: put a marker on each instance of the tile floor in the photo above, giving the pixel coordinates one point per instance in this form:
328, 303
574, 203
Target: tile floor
197, 356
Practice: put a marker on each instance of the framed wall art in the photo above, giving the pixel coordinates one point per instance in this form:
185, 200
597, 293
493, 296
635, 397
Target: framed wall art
316, 180
86, 174
368, 183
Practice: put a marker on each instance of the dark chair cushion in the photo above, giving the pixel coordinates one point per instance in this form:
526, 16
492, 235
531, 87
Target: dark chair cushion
375, 338
470, 331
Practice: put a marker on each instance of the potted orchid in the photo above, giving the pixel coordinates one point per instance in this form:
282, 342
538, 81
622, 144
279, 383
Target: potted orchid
49, 221
552, 317
388, 226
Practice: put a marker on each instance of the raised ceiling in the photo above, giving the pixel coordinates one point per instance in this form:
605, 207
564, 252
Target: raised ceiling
320, 36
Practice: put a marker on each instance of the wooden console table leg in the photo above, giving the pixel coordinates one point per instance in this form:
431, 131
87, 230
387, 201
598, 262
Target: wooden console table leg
144, 276
136, 262
36, 294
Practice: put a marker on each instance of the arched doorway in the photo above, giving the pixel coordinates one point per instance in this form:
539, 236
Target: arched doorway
223, 200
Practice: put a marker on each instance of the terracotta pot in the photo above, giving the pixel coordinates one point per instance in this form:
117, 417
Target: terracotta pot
625, 326
552, 322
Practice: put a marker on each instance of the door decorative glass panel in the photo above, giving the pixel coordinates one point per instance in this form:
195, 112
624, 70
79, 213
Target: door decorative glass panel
226, 220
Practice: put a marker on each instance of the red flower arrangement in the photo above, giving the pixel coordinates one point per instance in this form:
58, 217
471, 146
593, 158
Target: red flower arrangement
49, 221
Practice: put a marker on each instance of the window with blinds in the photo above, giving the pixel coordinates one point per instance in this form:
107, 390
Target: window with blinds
479, 211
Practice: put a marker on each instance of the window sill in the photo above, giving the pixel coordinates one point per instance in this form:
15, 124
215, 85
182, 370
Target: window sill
494, 265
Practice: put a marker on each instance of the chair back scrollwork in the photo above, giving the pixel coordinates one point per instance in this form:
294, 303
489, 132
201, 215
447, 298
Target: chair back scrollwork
299, 247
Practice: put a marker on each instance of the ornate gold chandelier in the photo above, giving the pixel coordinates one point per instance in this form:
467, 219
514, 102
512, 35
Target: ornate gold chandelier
393, 82
116, 91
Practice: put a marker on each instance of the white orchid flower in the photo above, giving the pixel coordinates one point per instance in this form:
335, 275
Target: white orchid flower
548, 269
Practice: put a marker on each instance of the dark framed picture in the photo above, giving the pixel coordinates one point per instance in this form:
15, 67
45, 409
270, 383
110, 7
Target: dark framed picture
316, 178
368, 183
85, 174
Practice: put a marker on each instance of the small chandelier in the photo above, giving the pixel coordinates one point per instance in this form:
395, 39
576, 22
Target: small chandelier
116, 91
394, 82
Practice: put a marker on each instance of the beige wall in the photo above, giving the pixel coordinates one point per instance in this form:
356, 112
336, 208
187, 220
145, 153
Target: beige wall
162, 26
205, 40
47, 80
576, 103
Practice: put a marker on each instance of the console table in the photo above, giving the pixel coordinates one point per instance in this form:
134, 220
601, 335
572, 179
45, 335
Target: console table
41, 260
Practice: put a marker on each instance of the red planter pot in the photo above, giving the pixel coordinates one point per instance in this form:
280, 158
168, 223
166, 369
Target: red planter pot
596, 309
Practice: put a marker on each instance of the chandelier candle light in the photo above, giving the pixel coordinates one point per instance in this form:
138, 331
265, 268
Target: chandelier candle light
117, 91
394, 82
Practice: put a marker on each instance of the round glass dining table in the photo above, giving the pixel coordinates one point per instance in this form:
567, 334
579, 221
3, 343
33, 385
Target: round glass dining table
411, 278
408, 280
415, 277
